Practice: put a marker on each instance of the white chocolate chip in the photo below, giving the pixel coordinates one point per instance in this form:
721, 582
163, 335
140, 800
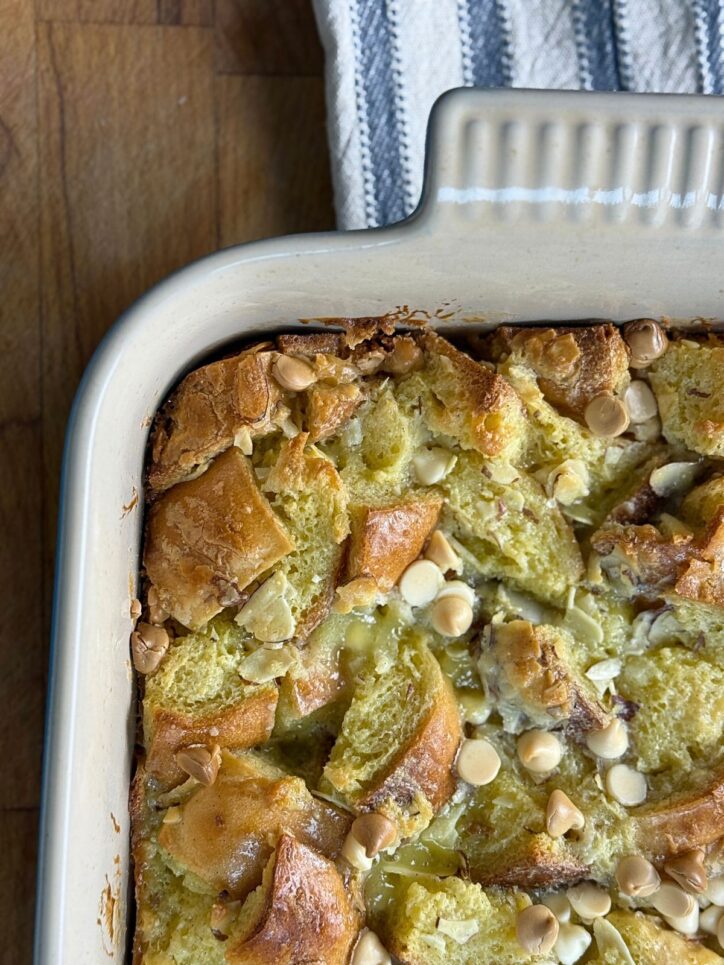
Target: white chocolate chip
559, 905
457, 588
572, 943
686, 924
537, 929
369, 950
610, 742
539, 751
640, 402
673, 479
672, 901
648, 431
442, 554
626, 785
478, 762
589, 901
432, 465
451, 616
293, 374
637, 877
715, 890
562, 815
354, 853
709, 919
421, 582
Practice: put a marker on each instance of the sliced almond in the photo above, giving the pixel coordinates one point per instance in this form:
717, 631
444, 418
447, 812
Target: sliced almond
688, 871
200, 762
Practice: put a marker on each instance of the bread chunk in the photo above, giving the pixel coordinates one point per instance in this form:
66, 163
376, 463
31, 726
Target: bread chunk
680, 717
329, 409
386, 539
642, 558
302, 912
651, 944
469, 401
687, 382
684, 821
310, 501
419, 929
572, 365
207, 410
197, 696
510, 529
225, 833
532, 669
398, 741
209, 538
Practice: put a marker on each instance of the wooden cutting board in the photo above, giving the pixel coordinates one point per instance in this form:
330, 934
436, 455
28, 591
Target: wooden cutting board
135, 135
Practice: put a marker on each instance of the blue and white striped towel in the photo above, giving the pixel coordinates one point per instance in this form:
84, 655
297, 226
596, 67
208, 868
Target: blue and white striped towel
388, 60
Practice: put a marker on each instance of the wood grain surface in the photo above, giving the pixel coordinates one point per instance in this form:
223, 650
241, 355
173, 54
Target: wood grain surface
135, 135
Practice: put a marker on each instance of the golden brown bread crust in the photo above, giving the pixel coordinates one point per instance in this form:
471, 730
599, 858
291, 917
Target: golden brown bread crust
425, 762
663, 946
686, 821
690, 565
242, 725
329, 407
209, 538
226, 832
315, 343
536, 866
386, 539
703, 579
472, 395
312, 684
524, 665
308, 915
202, 417
573, 365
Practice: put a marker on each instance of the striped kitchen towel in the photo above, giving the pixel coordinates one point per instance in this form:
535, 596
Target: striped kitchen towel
388, 60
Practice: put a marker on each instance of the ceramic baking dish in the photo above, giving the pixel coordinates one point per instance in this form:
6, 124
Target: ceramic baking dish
536, 205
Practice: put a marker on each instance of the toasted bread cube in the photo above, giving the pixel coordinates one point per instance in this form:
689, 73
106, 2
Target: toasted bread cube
651, 943
640, 558
572, 365
311, 502
417, 938
680, 700
203, 415
386, 539
302, 912
330, 407
395, 751
511, 530
198, 697
469, 401
209, 538
532, 669
687, 381
225, 833
687, 819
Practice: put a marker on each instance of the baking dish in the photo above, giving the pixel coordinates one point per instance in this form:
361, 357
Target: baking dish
555, 205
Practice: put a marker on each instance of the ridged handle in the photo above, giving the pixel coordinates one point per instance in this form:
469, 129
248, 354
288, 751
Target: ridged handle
607, 160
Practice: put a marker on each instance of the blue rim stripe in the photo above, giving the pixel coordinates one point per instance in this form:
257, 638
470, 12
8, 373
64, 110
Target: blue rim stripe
490, 43
595, 27
709, 16
378, 87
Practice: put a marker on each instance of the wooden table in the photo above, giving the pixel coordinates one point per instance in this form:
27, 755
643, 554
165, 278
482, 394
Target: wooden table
135, 135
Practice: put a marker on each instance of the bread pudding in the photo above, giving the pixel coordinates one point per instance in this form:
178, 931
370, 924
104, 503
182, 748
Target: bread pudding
431, 652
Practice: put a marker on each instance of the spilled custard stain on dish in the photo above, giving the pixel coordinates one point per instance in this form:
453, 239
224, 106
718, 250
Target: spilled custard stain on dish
107, 913
131, 504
